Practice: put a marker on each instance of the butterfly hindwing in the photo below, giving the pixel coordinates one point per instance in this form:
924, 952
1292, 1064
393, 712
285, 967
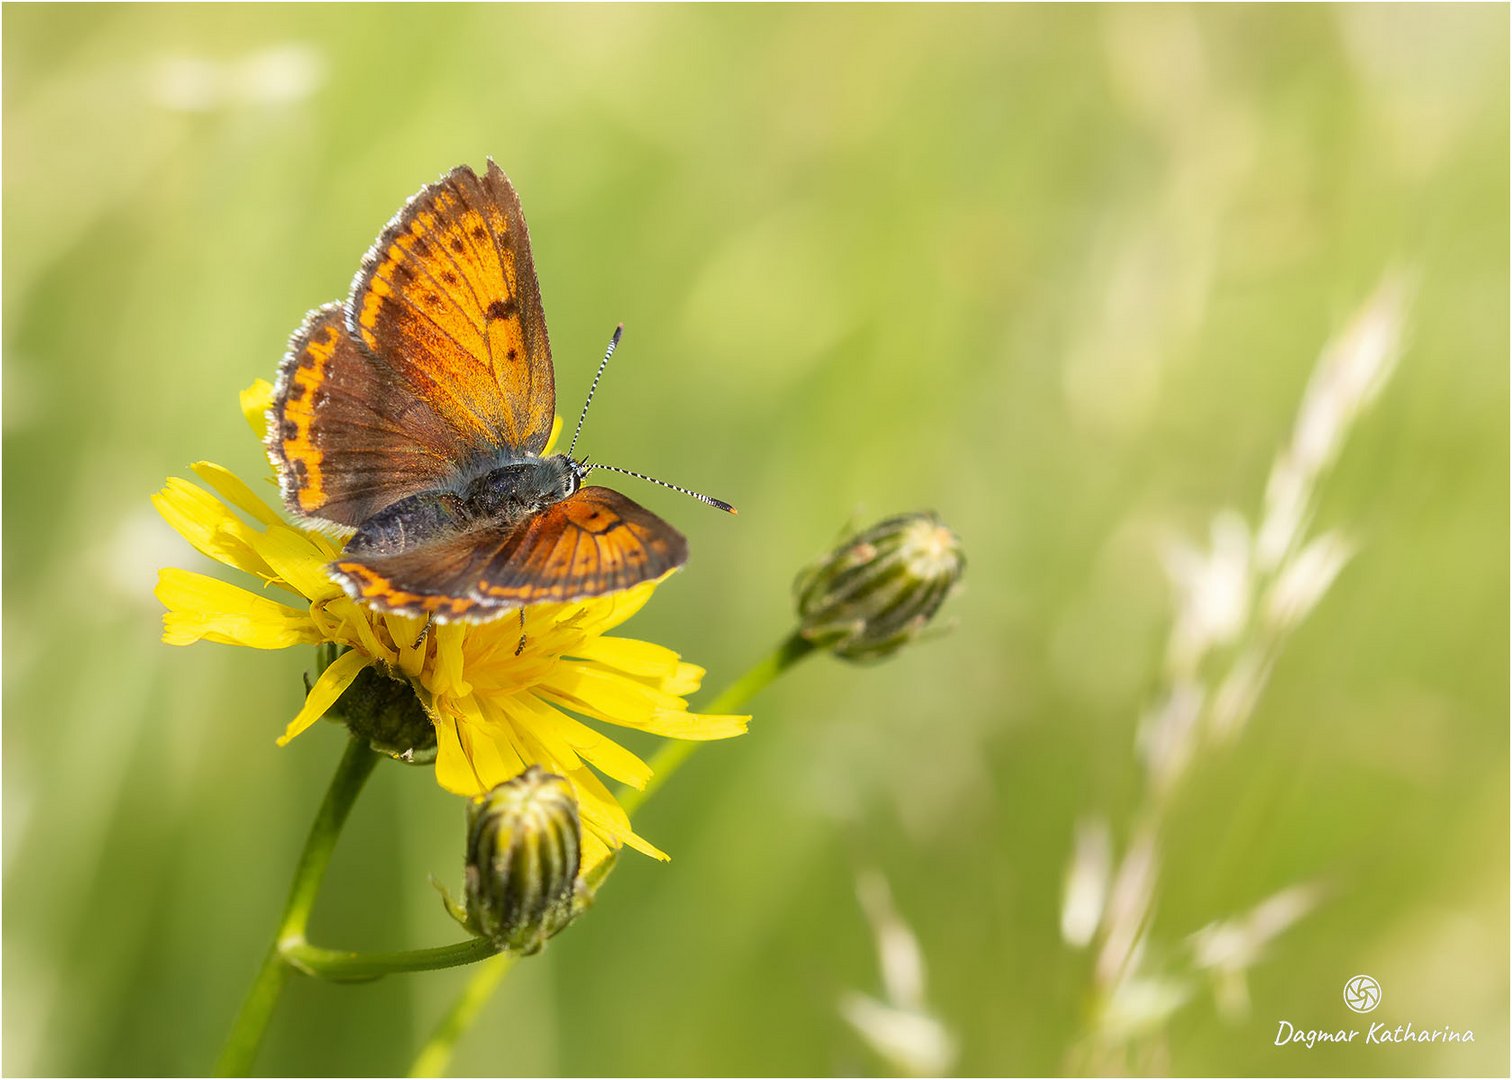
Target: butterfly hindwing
448, 297
347, 435
594, 542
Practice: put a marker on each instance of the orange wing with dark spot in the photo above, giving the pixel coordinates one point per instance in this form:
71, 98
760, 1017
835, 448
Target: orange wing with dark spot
448, 298
592, 543
347, 434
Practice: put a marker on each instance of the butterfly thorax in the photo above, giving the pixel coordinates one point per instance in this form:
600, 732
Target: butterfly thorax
501, 496
516, 489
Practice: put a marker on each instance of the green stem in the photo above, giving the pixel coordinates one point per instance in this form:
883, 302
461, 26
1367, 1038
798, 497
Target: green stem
438, 1049
339, 965
251, 1023
436, 1054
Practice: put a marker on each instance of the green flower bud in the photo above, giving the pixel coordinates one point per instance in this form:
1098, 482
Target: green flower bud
523, 842
877, 591
386, 712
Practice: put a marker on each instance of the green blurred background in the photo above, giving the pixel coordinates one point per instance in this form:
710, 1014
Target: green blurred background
1061, 274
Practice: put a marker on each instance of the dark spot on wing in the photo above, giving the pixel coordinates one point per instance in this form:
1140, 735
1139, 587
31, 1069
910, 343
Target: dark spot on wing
503, 309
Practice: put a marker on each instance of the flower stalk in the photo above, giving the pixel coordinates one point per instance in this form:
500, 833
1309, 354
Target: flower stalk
342, 965
436, 1054
251, 1023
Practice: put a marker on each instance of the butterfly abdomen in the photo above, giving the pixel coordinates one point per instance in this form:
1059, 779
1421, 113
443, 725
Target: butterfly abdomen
409, 522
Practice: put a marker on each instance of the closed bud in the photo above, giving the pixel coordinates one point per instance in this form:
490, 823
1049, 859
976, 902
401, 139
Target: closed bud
523, 850
878, 590
386, 712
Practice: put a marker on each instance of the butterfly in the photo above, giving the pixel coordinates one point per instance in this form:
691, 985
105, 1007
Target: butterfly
415, 416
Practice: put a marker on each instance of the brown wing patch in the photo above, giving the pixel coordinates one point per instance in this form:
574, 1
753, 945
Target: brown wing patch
346, 434
448, 297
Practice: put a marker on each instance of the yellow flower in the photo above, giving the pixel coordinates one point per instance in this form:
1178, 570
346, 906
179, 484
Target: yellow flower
495, 713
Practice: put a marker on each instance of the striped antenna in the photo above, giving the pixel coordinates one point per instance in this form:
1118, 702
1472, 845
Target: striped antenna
613, 344
718, 504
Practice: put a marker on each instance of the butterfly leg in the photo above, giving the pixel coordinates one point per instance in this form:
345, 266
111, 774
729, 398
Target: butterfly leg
521, 646
424, 630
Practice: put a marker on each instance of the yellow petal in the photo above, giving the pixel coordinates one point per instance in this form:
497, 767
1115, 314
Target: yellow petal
256, 400
472, 756
616, 699
646, 847
606, 755
604, 613
545, 747
453, 769
684, 681
291, 556
604, 693
209, 526
657, 667
556, 429
405, 631
343, 619
640, 658
594, 850
202, 608
333, 680
446, 677
695, 727
231, 488
602, 814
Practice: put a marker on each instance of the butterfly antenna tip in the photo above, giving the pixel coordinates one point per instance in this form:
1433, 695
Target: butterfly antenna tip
718, 504
597, 375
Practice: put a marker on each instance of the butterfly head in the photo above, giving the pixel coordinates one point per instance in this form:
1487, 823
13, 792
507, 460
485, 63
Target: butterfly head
572, 474
555, 478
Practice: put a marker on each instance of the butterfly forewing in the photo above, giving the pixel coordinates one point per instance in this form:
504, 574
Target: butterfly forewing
448, 297
346, 433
